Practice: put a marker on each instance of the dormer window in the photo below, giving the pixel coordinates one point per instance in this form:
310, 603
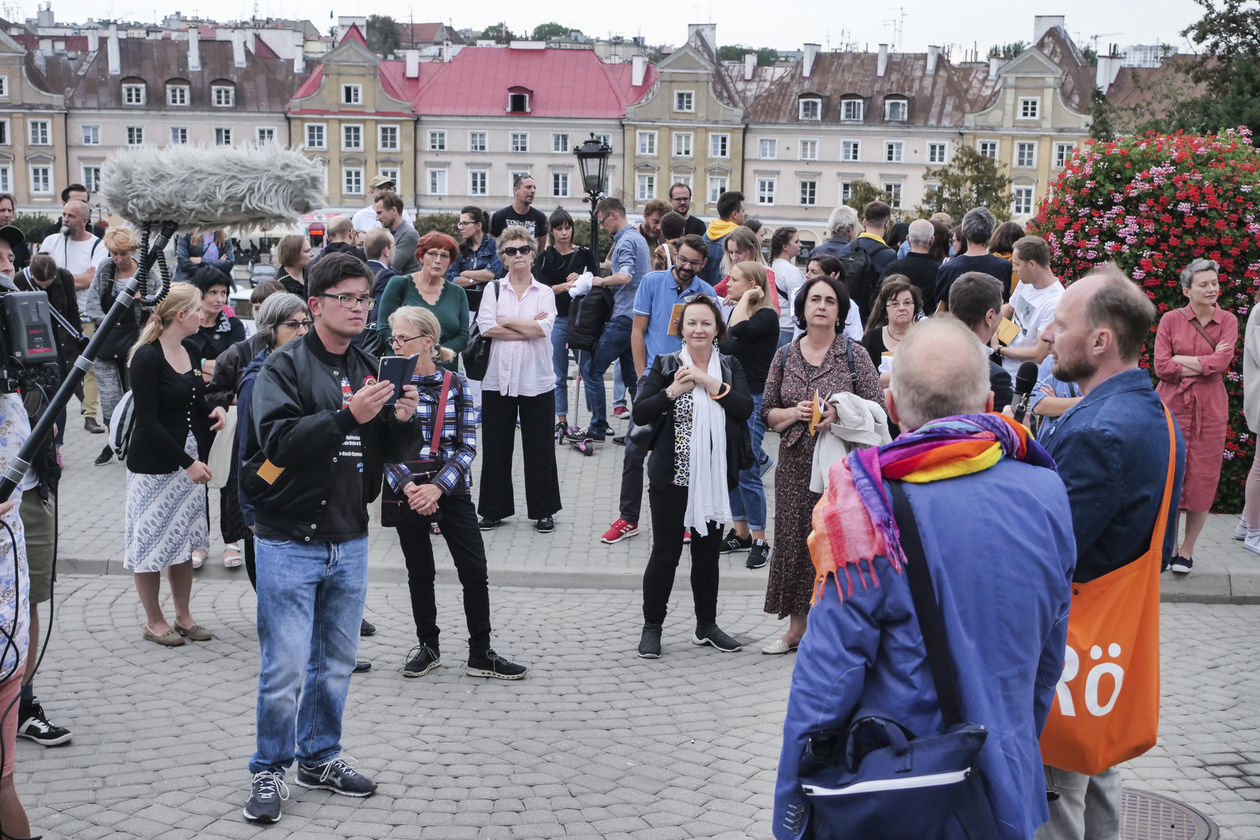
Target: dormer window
851, 110
133, 93
177, 94
518, 100
222, 95
896, 110
809, 108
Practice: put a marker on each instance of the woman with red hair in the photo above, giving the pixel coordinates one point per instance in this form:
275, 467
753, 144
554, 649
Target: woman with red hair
430, 289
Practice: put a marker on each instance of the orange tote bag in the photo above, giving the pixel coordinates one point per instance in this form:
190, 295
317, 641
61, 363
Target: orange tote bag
1106, 705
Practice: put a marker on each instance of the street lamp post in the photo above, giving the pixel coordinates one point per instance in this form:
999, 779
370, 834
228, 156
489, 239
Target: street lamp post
592, 158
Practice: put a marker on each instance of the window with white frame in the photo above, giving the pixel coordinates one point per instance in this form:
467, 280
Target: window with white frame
387, 138
769, 148
606, 139
893, 191
6, 179
477, 180
265, 135
4, 133
39, 133
720, 146
850, 150
718, 184
683, 144
645, 186
807, 192
1029, 108
179, 136
351, 94
645, 141
1026, 153
851, 110
352, 138
437, 141
809, 108
513, 174
937, 152
222, 96
41, 180
1021, 201
91, 134
681, 178
352, 180
519, 141
91, 178
223, 137
135, 135
988, 148
437, 181
846, 191
476, 141
518, 103
390, 173
560, 142
765, 190
4, 94
809, 150
316, 137
894, 151
896, 110
177, 95
559, 184
133, 94
684, 100
1062, 151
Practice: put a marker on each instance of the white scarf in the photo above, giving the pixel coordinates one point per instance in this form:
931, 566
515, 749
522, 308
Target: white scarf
707, 497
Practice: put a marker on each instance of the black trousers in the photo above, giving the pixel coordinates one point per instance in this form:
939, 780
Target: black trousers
538, 446
459, 528
668, 506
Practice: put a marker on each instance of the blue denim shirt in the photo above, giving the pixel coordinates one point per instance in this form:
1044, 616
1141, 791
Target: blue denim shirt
485, 257
1112, 452
630, 255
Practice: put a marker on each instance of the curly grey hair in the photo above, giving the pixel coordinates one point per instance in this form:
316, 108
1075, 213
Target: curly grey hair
1187, 273
277, 308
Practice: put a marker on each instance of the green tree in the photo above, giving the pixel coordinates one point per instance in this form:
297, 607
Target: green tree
766, 56
862, 193
447, 223
1101, 116
969, 180
1090, 54
498, 32
547, 31
32, 226
1007, 50
383, 36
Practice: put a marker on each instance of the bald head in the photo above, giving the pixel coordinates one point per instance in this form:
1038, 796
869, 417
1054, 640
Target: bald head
940, 370
74, 215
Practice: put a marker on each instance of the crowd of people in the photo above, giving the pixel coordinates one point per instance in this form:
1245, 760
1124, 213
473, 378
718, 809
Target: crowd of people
891, 352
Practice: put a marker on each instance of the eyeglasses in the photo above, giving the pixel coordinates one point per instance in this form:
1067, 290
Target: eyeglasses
462, 223
680, 260
437, 254
900, 304
399, 341
351, 301
512, 250
296, 325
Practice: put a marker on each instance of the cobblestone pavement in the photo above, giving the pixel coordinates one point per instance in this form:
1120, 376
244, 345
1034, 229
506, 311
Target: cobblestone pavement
594, 744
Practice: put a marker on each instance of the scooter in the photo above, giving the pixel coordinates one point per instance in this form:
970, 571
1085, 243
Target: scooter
575, 435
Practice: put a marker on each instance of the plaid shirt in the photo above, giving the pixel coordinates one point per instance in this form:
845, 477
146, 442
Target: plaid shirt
458, 444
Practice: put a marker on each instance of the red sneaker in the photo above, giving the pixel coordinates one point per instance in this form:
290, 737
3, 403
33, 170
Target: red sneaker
686, 536
620, 530
621, 411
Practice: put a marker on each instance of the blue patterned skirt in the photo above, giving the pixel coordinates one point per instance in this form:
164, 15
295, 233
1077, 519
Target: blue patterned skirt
166, 518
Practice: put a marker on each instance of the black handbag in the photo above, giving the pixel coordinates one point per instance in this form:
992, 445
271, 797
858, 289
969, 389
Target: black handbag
477, 354
644, 435
879, 779
395, 506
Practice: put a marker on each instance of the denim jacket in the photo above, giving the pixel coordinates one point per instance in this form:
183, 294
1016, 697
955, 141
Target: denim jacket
486, 257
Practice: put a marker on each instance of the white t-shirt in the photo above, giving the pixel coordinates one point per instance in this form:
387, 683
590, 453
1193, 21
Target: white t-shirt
76, 257
1033, 310
787, 279
365, 219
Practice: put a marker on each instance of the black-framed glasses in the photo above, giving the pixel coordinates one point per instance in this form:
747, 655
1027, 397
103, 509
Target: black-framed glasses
296, 325
352, 301
512, 250
401, 341
681, 260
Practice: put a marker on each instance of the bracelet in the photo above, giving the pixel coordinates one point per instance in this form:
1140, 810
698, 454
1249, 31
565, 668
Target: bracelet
669, 396
723, 391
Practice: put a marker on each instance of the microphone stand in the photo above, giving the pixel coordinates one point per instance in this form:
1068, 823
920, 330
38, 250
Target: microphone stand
125, 300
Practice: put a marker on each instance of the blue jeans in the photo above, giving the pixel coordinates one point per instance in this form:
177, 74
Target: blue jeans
748, 499
310, 605
613, 344
560, 362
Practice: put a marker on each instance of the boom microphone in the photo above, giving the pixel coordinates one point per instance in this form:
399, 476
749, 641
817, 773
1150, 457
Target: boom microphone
1025, 381
201, 188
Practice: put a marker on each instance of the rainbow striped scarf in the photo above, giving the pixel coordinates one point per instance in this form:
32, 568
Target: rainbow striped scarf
853, 522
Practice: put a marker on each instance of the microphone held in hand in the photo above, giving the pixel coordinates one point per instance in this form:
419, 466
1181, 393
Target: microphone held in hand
1025, 381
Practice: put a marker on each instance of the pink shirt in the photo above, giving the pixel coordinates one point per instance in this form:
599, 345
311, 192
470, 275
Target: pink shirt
519, 368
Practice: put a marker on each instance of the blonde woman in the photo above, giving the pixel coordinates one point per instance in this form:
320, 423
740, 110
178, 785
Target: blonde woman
110, 365
165, 518
753, 336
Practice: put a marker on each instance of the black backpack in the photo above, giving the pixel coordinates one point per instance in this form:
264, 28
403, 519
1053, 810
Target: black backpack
588, 315
860, 278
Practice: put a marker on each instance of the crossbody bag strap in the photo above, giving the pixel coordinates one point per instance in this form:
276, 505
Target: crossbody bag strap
1161, 519
1194, 322
853, 376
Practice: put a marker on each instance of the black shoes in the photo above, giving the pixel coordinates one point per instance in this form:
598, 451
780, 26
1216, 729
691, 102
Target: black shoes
488, 524
367, 628
759, 555
650, 642
421, 660
1181, 565
545, 525
734, 542
336, 775
713, 635
495, 667
107, 455
266, 792
362, 666
33, 725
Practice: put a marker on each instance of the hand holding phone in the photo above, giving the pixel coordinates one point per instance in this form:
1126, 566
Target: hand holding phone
396, 369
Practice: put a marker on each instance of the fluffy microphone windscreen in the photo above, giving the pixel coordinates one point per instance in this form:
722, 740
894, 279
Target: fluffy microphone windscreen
232, 188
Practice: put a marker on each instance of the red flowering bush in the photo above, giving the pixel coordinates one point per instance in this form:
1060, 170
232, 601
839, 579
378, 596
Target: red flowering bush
1152, 204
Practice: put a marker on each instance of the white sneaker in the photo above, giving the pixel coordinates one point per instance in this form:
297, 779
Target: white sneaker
1252, 541
1240, 530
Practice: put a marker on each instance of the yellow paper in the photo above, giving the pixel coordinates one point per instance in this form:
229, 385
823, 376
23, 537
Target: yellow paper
269, 472
1007, 331
675, 319
815, 416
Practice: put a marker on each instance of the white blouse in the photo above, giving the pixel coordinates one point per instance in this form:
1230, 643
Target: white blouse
519, 368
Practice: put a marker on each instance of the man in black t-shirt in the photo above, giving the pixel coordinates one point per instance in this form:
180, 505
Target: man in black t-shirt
520, 211
918, 265
680, 198
978, 226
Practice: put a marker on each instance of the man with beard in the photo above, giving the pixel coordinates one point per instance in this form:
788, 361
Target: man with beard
680, 198
650, 227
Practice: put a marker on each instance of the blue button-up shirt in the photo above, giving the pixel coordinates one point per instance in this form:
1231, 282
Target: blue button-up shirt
630, 255
658, 293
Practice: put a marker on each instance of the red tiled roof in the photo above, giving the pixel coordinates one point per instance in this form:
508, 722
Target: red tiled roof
312, 83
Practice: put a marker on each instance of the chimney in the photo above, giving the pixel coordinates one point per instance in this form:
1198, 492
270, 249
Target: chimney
1108, 69
994, 65
238, 48
638, 70
412, 58
706, 31
933, 55
1043, 24
94, 41
750, 66
194, 50
111, 47
299, 63
807, 65
44, 16
882, 65
446, 52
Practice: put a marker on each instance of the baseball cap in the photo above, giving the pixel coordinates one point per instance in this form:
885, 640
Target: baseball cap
380, 181
12, 235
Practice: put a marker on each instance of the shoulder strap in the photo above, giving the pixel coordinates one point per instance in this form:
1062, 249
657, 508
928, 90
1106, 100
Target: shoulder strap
931, 623
1161, 519
848, 351
441, 413
1194, 322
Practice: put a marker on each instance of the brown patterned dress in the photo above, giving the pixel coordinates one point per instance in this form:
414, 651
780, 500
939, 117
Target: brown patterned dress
792, 379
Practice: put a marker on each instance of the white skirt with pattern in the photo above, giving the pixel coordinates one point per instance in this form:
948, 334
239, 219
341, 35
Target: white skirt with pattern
166, 518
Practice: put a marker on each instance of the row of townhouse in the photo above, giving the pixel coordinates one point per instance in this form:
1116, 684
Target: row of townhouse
456, 130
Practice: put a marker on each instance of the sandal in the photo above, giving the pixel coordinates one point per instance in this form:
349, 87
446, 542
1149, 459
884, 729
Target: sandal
197, 558
232, 557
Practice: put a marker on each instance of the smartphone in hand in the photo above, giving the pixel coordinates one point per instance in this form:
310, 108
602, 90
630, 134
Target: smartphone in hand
396, 369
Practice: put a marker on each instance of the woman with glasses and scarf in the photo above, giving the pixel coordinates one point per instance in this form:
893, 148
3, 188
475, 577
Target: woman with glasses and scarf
518, 314
430, 289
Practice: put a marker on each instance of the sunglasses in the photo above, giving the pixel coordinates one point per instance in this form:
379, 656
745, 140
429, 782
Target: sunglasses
512, 250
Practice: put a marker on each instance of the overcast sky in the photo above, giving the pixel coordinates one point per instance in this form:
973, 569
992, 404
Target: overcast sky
783, 24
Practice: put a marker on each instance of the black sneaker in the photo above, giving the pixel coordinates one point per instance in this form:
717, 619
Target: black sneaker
650, 642
734, 542
362, 666
34, 726
590, 434
266, 792
714, 635
490, 664
488, 524
336, 775
759, 555
620, 440
107, 455
367, 628
545, 525
421, 659
1181, 565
